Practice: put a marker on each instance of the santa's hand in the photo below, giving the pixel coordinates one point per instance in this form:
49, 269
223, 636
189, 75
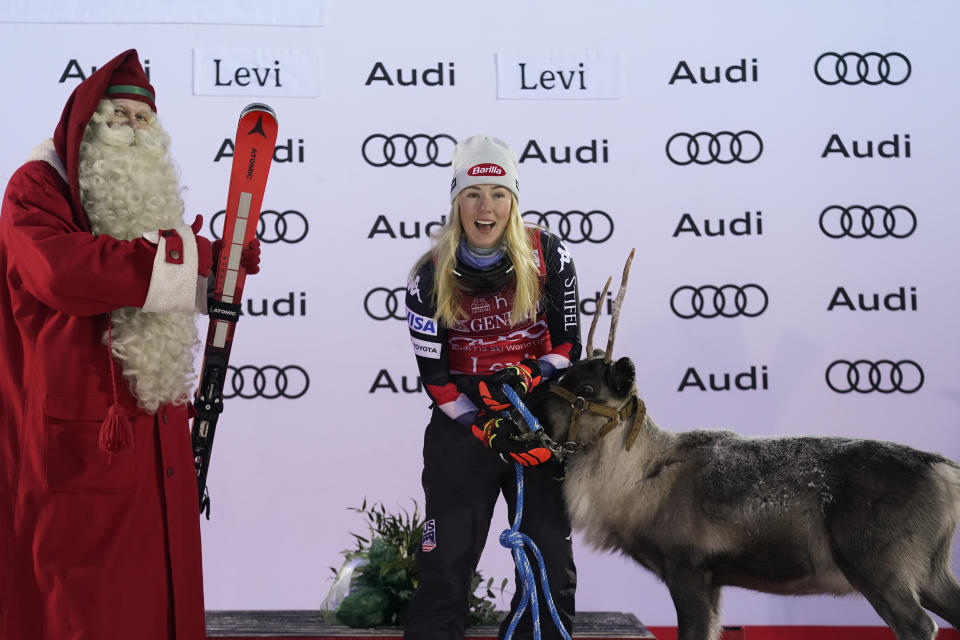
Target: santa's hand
204, 249
249, 256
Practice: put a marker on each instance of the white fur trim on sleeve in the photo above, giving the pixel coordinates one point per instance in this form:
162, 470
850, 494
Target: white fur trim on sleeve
46, 152
173, 287
203, 286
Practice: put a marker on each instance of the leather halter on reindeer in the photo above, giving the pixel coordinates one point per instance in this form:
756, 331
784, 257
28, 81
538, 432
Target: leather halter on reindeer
633, 405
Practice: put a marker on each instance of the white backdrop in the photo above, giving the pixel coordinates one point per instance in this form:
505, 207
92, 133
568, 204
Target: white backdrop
285, 470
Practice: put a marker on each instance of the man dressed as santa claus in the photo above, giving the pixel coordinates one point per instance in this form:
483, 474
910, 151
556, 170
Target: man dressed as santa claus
99, 282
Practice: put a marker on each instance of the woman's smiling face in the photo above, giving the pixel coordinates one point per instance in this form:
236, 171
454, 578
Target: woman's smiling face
484, 212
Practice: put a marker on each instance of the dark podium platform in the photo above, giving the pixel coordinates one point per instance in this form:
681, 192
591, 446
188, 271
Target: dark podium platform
241, 625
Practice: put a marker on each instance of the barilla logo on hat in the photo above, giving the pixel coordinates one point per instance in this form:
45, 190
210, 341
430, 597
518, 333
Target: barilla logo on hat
486, 169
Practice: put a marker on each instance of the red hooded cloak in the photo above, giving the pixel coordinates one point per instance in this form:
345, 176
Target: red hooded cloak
91, 546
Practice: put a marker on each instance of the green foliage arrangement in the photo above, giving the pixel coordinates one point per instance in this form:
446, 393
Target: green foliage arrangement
381, 591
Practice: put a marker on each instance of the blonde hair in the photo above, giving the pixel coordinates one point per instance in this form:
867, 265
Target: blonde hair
516, 245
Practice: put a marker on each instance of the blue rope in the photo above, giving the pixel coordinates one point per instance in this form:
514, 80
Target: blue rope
522, 408
515, 540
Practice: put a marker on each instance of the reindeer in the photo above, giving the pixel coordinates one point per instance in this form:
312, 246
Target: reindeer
783, 515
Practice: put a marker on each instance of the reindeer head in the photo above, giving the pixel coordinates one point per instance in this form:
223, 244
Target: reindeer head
599, 380
599, 394
594, 396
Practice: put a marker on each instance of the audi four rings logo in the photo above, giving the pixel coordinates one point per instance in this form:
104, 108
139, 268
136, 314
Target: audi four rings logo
382, 303
401, 150
575, 226
869, 68
860, 222
723, 147
288, 226
269, 382
728, 300
883, 376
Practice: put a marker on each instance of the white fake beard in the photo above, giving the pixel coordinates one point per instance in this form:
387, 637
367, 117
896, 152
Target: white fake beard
129, 186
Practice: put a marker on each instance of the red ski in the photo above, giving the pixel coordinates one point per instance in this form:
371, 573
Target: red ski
252, 153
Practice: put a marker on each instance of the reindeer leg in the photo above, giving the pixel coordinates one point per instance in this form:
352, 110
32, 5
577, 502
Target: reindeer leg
900, 608
941, 590
897, 603
942, 596
697, 603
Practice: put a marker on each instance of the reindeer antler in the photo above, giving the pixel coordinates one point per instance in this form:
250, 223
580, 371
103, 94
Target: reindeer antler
596, 316
617, 303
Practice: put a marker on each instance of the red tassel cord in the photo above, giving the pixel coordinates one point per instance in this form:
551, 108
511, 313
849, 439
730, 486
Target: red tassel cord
116, 432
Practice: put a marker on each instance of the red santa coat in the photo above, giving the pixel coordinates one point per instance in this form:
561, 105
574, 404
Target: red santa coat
91, 547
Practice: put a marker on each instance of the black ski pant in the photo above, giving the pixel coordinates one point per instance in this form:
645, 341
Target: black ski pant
462, 480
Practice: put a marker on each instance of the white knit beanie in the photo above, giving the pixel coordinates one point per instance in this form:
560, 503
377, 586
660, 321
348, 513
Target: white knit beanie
483, 159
